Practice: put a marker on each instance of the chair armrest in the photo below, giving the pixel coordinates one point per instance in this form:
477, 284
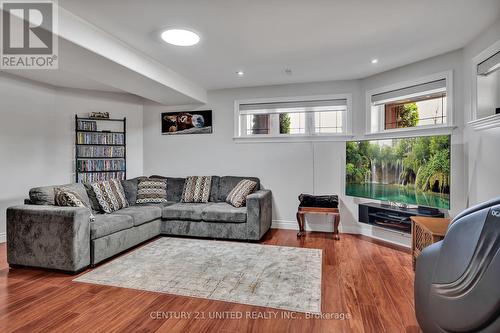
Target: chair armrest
424, 273
48, 237
259, 214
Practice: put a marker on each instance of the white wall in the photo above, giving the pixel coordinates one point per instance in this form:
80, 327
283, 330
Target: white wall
452, 61
482, 147
37, 135
289, 169
36, 141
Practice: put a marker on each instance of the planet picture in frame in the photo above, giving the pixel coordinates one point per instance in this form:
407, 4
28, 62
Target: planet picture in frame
186, 122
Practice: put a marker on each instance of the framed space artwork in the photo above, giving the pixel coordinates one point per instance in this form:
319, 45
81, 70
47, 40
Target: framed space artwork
186, 122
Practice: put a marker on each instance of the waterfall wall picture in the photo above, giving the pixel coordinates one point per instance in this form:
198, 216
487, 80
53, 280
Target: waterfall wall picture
412, 171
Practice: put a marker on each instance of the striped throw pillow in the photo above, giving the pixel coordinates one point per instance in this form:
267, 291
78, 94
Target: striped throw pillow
151, 190
196, 189
238, 195
110, 195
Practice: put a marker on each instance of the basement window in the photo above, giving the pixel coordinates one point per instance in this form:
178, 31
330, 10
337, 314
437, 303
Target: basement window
421, 104
295, 118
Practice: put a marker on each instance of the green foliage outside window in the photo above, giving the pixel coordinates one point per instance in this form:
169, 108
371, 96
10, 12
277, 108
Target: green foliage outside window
408, 115
285, 123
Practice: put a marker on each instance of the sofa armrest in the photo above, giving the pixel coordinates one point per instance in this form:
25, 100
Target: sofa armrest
259, 214
48, 237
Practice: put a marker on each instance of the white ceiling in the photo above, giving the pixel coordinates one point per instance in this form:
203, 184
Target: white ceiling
318, 39
90, 58
62, 78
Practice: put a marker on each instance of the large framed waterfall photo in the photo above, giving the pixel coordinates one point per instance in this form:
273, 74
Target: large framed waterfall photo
412, 171
192, 122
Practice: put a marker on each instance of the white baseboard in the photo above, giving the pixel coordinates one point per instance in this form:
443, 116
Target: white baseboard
321, 227
3, 237
395, 237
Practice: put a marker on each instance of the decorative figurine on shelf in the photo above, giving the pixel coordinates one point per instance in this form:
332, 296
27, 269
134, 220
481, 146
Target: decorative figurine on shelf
99, 115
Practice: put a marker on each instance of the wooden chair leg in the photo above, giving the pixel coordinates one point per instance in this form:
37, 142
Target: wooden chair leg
336, 223
300, 221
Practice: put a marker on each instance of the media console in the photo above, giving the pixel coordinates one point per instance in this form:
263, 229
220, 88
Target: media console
391, 217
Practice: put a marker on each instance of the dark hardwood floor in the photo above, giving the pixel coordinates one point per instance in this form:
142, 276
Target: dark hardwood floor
370, 282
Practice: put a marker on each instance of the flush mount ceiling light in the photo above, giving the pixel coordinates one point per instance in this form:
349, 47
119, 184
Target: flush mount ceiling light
374, 61
240, 73
180, 37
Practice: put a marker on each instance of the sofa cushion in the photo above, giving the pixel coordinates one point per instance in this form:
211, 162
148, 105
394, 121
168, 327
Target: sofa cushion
197, 189
238, 195
107, 224
110, 195
184, 211
141, 213
130, 189
214, 190
45, 195
161, 204
224, 212
94, 203
65, 198
151, 190
174, 187
227, 183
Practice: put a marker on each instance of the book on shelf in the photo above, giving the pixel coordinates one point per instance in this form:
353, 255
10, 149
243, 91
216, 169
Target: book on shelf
101, 138
100, 165
115, 152
97, 177
87, 125
99, 152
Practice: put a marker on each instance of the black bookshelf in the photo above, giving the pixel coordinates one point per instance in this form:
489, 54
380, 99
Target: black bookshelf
98, 160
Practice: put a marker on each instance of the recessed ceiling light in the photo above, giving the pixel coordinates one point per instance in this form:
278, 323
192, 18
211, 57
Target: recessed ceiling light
374, 61
240, 73
180, 37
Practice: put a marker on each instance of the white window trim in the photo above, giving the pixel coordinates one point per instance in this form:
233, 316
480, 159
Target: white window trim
447, 75
489, 121
293, 137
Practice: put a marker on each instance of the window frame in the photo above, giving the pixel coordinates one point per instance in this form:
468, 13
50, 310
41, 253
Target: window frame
346, 134
474, 121
447, 76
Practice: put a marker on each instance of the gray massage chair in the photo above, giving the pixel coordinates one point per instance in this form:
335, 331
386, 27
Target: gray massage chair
457, 280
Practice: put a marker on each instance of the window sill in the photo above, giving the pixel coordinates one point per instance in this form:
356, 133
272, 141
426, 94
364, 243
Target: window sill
414, 131
485, 123
292, 139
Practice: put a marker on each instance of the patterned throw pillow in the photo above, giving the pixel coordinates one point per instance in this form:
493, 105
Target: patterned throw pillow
65, 198
197, 189
151, 190
238, 195
110, 195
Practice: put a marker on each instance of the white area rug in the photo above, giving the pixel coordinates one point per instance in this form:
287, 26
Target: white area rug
278, 277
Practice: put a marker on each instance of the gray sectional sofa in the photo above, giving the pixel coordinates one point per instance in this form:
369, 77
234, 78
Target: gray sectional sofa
40, 234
